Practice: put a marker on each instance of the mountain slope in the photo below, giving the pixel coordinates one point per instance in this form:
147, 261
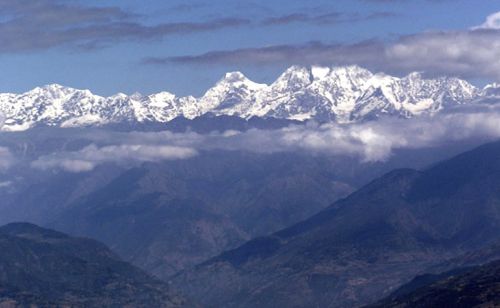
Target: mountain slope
40, 267
166, 216
342, 94
468, 287
364, 246
453, 267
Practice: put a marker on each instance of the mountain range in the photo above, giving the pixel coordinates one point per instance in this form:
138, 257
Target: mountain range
341, 94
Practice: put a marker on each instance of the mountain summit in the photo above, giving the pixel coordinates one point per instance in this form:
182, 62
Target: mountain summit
341, 94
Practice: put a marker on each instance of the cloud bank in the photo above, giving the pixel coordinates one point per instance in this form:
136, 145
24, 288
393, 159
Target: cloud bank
473, 53
369, 141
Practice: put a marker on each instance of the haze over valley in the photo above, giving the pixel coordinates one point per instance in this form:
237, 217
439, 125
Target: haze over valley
247, 154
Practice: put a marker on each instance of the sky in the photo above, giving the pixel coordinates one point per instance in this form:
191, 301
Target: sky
184, 47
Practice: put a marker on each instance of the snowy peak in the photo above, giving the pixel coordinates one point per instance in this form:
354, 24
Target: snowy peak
294, 78
342, 94
352, 72
230, 94
51, 89
236, 80
319, 72
233, 77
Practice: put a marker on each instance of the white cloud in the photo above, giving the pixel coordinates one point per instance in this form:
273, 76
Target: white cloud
463, 53
91, 156
5, 184
492, 22
6, 158
370, 141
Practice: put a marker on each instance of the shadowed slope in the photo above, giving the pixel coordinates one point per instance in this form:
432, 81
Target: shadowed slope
47, 268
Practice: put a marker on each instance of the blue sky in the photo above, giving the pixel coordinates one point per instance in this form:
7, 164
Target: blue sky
185, 47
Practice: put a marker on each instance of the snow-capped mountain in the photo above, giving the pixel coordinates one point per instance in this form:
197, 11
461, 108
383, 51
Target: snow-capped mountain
342, 94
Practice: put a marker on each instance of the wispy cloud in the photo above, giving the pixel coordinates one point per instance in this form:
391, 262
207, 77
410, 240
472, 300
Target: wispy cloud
329, 18
5, 184
33, 25
91, 156
309, 53
297, 17
29, 25
6, 159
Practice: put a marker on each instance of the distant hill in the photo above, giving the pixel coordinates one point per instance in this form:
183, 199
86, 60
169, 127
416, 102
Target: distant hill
45, 268
364, 246
166, 216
